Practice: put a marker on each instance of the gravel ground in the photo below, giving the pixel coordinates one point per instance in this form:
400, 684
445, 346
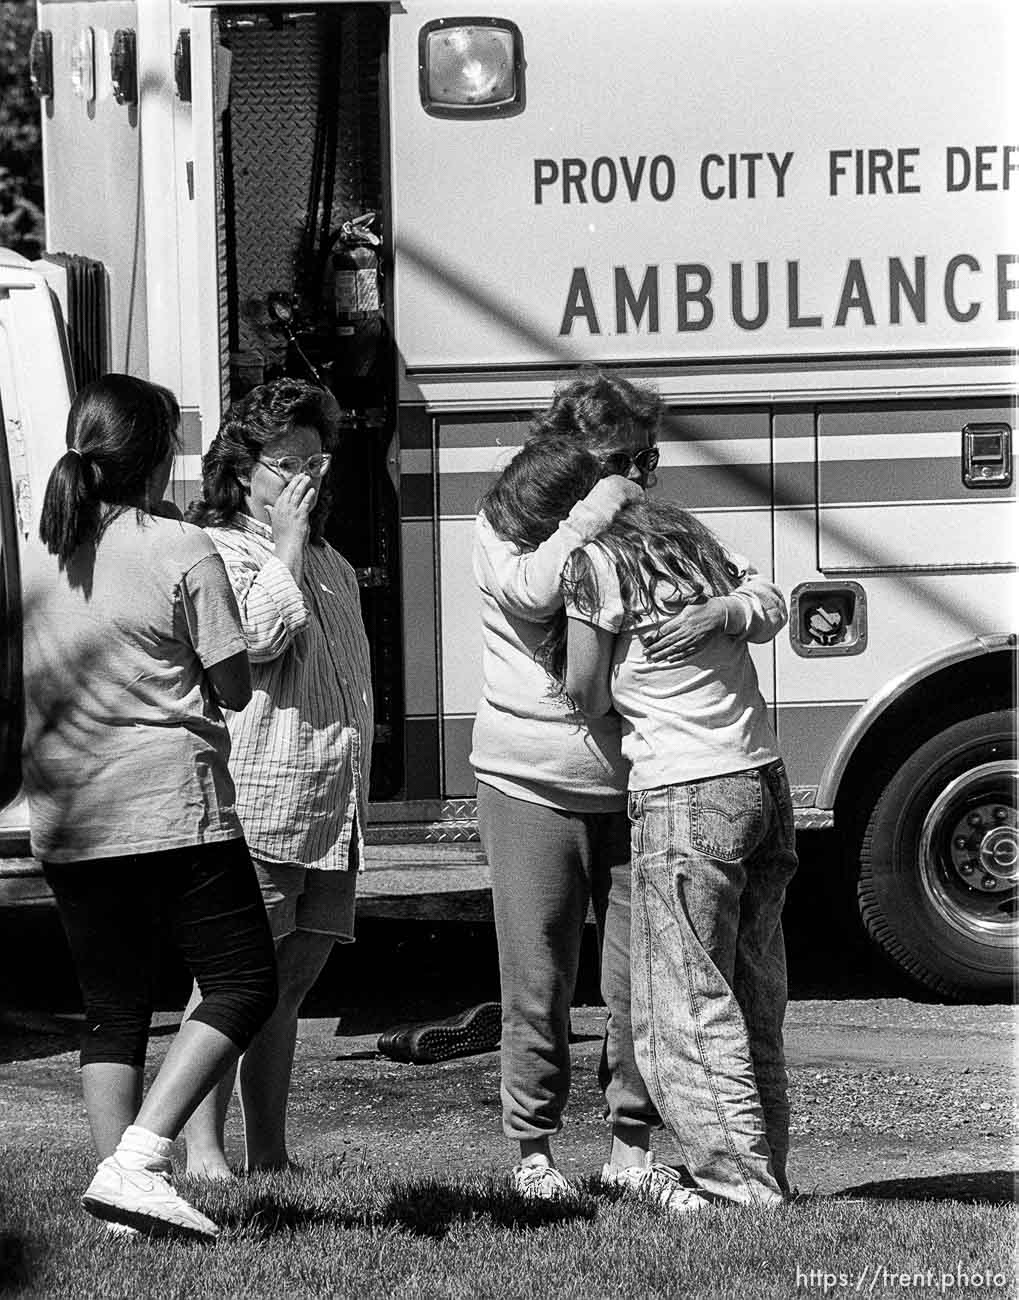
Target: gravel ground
888, 1095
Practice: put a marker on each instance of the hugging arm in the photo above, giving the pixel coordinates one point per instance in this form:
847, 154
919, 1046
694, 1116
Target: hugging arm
588, 661
526, 583
755, 611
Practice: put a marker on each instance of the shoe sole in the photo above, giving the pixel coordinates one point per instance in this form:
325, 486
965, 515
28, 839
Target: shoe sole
151, 1224
556, 1194
476, 1030
696, 1205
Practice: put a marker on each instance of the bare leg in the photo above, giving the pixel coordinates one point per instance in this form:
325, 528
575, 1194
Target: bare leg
204, 1131
195, 1062
113, 1094
267, 1064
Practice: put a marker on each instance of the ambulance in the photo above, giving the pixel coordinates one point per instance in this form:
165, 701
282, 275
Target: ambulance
796, 219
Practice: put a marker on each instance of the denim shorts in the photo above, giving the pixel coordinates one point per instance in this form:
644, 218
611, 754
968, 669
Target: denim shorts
306, 898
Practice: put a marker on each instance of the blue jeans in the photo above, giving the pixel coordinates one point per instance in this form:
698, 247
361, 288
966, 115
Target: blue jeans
712, 860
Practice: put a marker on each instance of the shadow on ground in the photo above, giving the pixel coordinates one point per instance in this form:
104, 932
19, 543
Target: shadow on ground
14, 1269
426, 1207
994, 1187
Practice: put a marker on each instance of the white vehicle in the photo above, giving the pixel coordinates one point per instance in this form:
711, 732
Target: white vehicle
797, 219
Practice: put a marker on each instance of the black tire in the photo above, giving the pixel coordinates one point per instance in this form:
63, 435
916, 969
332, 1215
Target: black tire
943, 910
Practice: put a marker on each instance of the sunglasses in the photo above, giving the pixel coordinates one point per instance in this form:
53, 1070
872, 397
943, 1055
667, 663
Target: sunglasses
289, 467
621, 462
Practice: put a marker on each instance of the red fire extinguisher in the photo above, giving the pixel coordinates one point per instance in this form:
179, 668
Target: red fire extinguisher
354, 276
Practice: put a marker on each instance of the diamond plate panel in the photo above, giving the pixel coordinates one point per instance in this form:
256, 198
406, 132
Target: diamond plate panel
275, 93
458, 824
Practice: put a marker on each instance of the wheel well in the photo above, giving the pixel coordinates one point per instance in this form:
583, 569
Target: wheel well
948, 695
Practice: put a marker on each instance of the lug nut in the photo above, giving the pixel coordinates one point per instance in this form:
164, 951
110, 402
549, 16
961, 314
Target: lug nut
1000, 814
966, 868
988, 882
961, 842
975, 818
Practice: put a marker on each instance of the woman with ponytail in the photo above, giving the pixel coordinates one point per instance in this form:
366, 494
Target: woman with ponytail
133, 647
302, 748
710, 812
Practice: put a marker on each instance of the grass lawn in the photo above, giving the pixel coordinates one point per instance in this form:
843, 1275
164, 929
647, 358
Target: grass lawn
336, 1229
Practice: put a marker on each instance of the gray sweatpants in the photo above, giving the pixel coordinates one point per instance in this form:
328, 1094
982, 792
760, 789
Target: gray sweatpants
547, 866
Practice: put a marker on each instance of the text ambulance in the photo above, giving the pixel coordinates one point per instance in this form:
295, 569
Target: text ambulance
797, 219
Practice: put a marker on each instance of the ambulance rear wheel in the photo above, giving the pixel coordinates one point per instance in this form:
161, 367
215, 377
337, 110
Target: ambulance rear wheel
939, 860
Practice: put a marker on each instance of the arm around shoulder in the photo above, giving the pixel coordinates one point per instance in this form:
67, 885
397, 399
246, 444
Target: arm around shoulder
756, 611
526, 583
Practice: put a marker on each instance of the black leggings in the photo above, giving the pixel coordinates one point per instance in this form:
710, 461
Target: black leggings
206, 898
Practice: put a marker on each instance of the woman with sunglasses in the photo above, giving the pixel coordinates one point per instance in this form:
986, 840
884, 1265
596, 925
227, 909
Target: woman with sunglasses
712, 821
302, 747
552, 791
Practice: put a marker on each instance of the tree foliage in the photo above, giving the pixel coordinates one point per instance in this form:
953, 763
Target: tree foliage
20, 133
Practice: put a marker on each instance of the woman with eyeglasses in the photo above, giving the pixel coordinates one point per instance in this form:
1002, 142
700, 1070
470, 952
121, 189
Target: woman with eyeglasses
302, 748
552, 791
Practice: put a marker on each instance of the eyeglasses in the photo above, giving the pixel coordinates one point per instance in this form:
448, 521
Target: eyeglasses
289, 467
621, 462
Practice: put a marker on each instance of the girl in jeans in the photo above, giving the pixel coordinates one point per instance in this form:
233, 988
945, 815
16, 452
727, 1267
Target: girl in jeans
712, 825
133, 644
552, 785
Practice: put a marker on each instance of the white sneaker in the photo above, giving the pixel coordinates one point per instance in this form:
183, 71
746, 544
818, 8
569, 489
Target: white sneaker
540, 1182
144, 1199
656, 1185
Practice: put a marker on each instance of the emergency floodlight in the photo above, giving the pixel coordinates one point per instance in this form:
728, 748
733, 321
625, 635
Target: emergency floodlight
471, 67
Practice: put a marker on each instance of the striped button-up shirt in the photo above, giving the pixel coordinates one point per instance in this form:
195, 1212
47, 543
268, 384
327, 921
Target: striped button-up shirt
301, 749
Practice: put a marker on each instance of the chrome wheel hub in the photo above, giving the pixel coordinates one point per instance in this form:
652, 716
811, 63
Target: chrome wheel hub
969, 853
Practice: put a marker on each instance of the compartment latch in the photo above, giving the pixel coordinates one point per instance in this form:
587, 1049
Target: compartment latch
986, 455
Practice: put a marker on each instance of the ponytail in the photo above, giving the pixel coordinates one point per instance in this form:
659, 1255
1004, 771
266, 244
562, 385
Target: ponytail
70, 507
119, 431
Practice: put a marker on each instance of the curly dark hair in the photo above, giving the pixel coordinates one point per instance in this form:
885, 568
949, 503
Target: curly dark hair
268, 412
601, 411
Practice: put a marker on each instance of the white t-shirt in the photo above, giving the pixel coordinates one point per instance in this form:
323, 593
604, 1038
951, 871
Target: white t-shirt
125, 749
682, 722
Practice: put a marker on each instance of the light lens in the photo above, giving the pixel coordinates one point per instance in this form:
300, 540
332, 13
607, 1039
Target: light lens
83, 65
470, 66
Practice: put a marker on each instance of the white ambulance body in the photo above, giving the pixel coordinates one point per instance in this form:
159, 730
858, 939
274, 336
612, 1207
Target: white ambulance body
798, 220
